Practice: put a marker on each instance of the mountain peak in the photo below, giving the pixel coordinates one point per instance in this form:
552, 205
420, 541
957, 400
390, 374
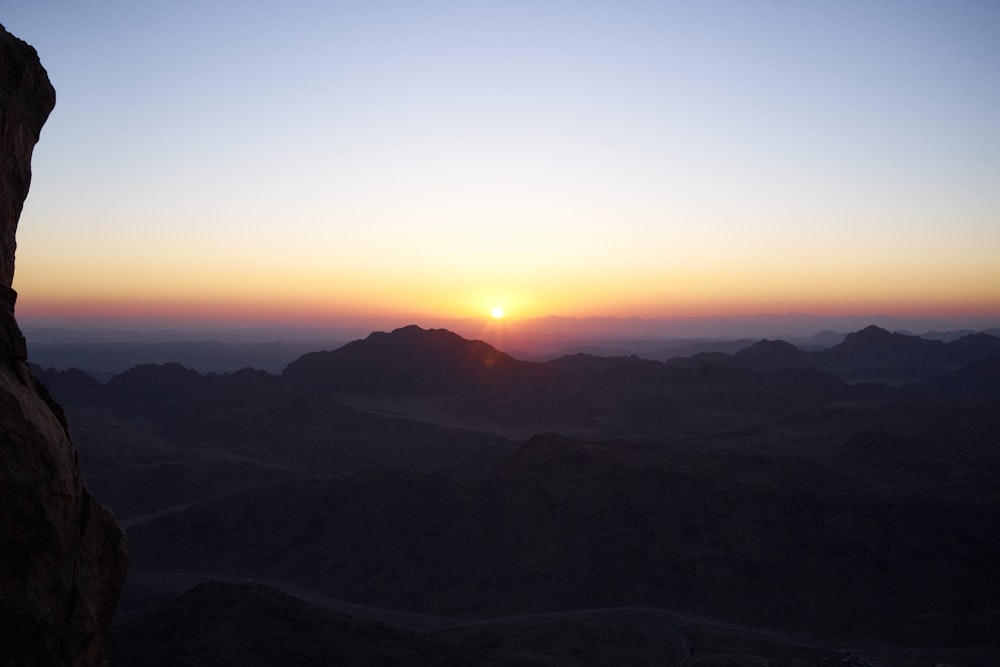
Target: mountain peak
873, 345
873, 332
408, 359
773, 355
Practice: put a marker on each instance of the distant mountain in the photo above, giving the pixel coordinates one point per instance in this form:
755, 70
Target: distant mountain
874, 353
772, 355
973, 347
437, 376
785, 326
873, 345
106, 359
653, 349
825, 338
764, 355
946, 336
411, 360
69, 383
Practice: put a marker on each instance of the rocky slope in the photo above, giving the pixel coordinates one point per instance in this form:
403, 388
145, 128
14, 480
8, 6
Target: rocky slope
63, 555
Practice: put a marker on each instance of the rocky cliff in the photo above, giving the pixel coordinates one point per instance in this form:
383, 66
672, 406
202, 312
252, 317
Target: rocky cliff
62, 556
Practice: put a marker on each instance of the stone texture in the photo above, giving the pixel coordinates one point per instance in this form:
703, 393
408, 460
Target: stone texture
62, 556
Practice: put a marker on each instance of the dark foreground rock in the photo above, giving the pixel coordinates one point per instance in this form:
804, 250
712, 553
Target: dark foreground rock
63, 557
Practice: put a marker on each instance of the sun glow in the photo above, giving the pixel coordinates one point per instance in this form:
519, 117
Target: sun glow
496, 313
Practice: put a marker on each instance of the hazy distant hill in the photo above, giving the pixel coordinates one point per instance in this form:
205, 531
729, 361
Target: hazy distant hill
948, 336
103, 360
764, 355
657, 349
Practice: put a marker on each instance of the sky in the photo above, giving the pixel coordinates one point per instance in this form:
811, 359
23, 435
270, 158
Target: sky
313, 163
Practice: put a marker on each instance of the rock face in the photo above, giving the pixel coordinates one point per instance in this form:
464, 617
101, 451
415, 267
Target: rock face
62, 556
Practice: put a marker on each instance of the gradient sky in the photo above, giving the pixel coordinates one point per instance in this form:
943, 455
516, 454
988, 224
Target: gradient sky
313, 162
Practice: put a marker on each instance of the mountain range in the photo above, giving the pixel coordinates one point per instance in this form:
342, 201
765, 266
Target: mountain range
417, 472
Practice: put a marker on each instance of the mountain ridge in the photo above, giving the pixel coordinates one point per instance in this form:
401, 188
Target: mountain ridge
410, 359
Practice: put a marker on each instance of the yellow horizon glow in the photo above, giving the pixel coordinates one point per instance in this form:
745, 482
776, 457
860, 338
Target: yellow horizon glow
695, 304
630, 280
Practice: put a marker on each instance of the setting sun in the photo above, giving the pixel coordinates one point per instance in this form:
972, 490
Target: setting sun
497, 312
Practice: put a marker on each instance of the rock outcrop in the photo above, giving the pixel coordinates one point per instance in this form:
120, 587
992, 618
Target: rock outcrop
62, 556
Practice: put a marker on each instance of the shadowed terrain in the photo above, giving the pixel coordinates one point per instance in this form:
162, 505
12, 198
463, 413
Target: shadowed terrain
764, 499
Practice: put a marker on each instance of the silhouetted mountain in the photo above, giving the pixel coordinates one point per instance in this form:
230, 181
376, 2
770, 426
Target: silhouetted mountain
973, 347
764, 355
949, 336
71, 382
653, 350
103, 360
878, 354
873, 345
687, 348
410, 360
946, 336
773, 355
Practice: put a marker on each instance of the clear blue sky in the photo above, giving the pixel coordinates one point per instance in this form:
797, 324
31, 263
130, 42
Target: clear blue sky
324, 160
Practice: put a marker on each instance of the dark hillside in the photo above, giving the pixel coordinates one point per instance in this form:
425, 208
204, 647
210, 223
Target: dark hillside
779, 542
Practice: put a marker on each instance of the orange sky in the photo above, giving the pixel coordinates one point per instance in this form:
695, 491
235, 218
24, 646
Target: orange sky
656, 161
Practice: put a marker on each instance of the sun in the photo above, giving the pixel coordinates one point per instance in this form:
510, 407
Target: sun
497, 312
